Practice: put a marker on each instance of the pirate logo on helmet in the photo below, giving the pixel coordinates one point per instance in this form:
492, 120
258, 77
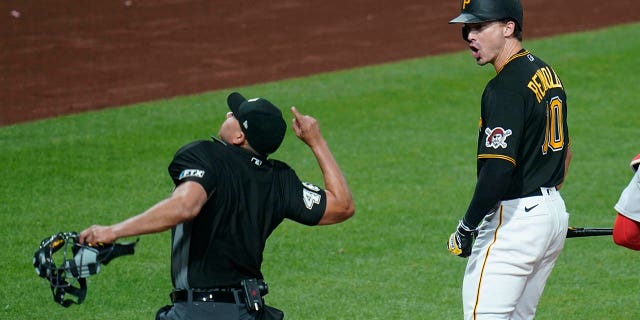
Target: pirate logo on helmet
497, 137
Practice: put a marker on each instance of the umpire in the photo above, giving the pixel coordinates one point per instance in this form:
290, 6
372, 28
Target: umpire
229, 197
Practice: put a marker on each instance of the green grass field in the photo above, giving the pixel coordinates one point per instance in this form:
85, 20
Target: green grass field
404, 134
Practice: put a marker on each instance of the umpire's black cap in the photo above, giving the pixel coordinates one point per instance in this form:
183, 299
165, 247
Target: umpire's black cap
260, 120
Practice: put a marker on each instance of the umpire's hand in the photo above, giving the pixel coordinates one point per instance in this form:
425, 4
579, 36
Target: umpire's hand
97, 234
306, 128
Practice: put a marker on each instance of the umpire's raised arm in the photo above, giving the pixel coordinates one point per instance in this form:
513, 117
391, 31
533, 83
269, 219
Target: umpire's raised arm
340, 206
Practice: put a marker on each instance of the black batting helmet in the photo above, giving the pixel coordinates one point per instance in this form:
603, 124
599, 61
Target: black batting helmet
476, 11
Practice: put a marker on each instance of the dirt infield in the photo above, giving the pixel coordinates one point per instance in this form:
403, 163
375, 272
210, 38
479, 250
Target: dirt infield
62, 56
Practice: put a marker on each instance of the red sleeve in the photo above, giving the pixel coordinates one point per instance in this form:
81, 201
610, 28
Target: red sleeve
626, 232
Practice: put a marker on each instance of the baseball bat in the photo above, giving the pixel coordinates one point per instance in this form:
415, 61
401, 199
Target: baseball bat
574, 232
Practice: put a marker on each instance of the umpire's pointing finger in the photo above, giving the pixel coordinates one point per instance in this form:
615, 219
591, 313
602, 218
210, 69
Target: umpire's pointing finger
305, 127
295, 112
297, 121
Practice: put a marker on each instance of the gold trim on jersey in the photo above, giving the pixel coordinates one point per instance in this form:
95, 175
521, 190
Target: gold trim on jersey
497, 156
515, 56
484, 263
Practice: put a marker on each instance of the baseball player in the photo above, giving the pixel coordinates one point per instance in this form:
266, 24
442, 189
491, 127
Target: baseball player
516, 216
626, 229
228, 198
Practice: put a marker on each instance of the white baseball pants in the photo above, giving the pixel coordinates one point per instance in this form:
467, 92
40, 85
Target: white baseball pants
512, 257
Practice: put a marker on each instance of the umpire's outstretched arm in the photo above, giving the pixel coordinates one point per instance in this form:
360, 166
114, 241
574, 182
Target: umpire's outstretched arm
184, 204
340, 206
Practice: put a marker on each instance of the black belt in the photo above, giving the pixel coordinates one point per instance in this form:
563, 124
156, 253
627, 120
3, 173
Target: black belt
213, 295
534, 193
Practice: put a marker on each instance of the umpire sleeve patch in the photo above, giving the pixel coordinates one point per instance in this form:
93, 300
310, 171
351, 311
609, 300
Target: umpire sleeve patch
191, 173
310, 195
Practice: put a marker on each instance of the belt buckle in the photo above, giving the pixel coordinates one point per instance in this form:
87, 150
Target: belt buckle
206, 297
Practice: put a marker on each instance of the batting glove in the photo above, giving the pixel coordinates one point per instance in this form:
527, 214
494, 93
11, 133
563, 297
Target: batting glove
461, 241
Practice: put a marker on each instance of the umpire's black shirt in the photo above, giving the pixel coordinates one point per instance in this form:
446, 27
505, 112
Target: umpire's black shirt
249, 196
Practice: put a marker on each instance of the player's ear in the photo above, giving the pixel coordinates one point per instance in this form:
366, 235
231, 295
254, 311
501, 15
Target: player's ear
509, 28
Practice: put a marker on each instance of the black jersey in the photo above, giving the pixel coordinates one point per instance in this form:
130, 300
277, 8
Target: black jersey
249, 196
524, 121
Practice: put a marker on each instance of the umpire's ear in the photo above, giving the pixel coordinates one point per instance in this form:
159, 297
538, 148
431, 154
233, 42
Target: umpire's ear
231, 132
239, 138
241, 141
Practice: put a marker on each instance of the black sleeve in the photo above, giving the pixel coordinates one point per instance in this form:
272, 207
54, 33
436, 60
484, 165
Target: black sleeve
502, 123
193, 162
306, 202
493, 181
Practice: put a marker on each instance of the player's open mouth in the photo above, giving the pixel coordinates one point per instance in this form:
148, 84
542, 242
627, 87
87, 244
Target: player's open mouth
475, 52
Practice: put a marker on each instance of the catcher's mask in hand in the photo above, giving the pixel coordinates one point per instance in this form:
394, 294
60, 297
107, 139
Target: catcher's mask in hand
75, 263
